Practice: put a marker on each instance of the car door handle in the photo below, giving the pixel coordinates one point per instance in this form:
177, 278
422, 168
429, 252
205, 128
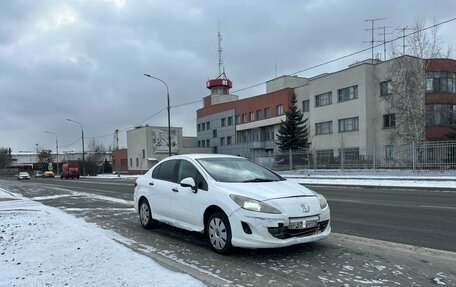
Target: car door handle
175, 189
151, 183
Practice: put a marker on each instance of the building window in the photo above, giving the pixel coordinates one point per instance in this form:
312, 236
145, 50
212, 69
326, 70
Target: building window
323, 128
305, 105
199, 127
325, 156
244, 118
238, 120
323, 99
222, 141
207, 143
214, 133
348, 94
131, 162
267, 113
348, 125
199, 144
228, 140
351, 155
144, 153
388, 152
389, 121
230, 121
386, 88
222, 122
279, 110
208, 125
137, 161
203, 143
259, 115
440, 114
441, 82
203, 126
252, 116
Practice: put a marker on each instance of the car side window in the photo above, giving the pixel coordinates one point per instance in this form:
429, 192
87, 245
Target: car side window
187, 169
155, 171
167, 171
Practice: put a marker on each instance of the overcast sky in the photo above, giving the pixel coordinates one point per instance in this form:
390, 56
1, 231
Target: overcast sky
85, 59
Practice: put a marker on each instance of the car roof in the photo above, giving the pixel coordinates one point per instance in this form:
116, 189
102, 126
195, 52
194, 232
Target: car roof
202, 155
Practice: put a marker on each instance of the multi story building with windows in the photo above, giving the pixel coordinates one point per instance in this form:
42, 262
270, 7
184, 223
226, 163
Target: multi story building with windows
347, 109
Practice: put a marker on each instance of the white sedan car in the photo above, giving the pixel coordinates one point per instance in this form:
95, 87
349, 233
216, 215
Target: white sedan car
235, 202
23, 175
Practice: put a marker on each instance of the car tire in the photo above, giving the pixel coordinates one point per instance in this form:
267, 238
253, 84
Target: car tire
145, 215
218, 232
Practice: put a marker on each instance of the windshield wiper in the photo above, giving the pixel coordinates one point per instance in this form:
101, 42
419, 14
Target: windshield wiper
258, 180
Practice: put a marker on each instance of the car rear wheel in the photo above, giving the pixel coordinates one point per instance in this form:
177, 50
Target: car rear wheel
218, 232
145, 215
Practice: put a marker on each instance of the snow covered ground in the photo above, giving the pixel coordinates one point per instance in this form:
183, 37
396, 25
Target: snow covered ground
43, 246
390, 178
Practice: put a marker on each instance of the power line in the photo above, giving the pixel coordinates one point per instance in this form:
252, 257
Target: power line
65, 146
351, 54
130, 127
298, 72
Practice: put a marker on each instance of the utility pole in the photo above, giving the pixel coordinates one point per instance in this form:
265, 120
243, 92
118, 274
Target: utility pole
372, 29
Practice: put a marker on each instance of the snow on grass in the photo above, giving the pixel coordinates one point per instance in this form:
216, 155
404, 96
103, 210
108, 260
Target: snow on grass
374, 182
41, 245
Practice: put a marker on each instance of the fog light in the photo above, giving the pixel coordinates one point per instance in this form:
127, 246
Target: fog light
246, 228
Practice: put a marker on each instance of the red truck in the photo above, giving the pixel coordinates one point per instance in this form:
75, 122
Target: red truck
70, 170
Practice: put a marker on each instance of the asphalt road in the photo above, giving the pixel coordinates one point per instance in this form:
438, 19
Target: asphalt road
414, 217
405, 216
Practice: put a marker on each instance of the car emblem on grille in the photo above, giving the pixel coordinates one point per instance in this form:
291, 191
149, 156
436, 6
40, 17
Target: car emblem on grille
305, 207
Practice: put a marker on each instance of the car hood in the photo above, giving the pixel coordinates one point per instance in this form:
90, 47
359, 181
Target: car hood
264, 191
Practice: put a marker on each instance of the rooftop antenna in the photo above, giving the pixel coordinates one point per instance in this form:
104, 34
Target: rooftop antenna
384, 39
406, 28
372, 30
220, 61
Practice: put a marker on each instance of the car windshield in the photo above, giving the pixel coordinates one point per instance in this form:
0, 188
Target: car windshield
237, 170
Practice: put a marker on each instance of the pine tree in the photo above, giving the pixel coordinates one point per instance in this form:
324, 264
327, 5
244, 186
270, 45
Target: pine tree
293, 133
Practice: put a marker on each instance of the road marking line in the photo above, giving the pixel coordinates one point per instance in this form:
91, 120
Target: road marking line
442, 207
343, 200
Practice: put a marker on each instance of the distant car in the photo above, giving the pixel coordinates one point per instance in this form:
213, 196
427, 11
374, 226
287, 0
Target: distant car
48, 174
39, 174
23, 175
234, 201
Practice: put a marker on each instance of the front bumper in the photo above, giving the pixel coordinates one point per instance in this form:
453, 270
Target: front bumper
259, 230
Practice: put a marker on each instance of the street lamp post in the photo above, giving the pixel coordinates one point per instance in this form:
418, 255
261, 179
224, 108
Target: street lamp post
57, 148
83, 153
169, 120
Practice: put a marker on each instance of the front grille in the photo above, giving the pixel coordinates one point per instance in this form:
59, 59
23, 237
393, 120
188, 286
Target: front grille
282, 232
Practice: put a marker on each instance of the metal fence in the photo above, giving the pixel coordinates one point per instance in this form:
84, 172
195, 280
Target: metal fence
426, 156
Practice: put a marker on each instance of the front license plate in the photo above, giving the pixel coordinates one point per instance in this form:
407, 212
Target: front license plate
303, 224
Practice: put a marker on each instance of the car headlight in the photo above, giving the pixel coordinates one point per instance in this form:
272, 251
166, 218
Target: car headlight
253, 205
323, 202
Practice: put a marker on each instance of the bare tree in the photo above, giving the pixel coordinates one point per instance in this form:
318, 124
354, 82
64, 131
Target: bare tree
5, 157
408, 79
96, 157
44, 155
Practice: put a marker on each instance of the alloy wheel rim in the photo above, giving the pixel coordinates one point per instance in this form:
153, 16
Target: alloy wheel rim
144, 214
217, 233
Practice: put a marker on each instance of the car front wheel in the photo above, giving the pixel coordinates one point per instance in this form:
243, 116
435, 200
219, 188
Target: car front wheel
145, 215
218, 232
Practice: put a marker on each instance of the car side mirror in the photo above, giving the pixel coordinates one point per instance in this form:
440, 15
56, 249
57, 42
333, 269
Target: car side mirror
189, 182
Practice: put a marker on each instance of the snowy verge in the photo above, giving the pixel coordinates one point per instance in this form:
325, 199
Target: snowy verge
41, 246
451, 185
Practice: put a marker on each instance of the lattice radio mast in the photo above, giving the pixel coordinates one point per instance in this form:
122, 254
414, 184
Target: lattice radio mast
220, 60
